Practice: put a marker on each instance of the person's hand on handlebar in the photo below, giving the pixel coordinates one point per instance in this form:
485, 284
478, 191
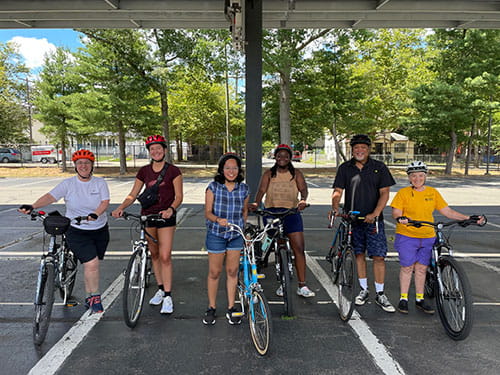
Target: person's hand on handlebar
25, 209
370, 218
253, 206
402, 220
302, 205
117, 213
480, 219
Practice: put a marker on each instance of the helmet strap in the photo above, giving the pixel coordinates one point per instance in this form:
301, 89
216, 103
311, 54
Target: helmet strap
85, 178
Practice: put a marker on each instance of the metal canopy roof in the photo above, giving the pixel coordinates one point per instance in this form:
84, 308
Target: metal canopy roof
15, 14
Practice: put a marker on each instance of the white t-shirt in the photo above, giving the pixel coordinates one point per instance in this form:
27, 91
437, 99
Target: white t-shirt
82, 198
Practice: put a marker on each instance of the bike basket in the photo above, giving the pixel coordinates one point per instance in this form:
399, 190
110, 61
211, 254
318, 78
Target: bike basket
56, 224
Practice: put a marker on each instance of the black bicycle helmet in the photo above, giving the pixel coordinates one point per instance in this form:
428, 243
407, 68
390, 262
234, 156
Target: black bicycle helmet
360, 139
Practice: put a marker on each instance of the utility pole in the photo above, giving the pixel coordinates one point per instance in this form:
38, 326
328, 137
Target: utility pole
29, 109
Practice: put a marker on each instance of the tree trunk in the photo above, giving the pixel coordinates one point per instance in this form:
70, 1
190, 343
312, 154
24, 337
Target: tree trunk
164, 120
451, 153
121, 147
64, 146
178, 142
338, 149
469, 147
285, 124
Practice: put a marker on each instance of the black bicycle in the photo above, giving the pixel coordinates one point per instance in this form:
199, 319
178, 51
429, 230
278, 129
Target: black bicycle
277, 241
447, 281
58, 267
343, 263
138, 271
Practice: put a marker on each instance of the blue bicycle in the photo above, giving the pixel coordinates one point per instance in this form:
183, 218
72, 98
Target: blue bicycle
253, 302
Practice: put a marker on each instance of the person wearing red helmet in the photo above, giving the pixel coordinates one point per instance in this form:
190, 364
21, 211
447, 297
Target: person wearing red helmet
170, 197
84, 195
281, 185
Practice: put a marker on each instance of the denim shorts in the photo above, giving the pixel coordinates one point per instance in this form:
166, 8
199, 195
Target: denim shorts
88, 244
218, 245
366, 239
291, 223
412, 250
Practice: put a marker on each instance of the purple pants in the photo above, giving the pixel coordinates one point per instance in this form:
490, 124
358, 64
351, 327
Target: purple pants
412, 250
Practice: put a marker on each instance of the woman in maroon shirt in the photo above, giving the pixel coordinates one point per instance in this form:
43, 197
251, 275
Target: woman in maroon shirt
170, 198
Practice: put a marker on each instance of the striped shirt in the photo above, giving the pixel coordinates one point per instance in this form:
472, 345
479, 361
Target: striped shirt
227, 205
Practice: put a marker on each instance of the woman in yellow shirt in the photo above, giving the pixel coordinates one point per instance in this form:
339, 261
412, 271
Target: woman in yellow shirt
414, 245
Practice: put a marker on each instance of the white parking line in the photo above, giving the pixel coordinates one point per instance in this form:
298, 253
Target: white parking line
52, 361
381, 355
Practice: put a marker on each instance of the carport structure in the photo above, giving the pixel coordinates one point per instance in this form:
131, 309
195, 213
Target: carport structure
258, 14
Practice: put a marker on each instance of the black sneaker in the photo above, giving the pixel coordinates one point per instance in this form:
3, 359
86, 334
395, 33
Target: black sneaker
424, 306
233, 316
403, 306
209, 318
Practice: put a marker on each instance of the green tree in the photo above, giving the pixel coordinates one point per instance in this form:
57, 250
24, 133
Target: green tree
13, 117
58, 82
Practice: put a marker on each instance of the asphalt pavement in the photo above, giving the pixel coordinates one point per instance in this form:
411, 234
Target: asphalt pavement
316, 341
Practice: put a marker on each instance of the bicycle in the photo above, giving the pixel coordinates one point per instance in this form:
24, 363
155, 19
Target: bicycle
343, 263
138, 271
447, 282
279, 243
252, 300
58, 267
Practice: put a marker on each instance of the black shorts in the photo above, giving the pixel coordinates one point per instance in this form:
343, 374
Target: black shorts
170, 222
88, 244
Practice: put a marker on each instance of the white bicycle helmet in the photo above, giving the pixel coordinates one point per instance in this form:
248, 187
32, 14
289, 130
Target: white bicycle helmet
416, 166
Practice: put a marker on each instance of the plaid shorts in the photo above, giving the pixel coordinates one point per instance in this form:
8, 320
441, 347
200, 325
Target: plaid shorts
365, 239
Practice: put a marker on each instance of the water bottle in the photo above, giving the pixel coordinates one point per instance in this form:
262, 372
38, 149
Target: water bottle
266, 242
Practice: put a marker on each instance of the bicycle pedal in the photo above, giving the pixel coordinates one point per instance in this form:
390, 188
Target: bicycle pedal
261, 276
237, 314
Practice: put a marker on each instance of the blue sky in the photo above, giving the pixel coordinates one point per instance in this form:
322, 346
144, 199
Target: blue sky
33, 44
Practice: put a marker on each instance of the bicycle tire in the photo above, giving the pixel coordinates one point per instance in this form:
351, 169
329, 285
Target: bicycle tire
335, 261
44, 303
259, 317
134, 289
149, 271
454, 302
286, 281
430, 282
346, 283
68, 277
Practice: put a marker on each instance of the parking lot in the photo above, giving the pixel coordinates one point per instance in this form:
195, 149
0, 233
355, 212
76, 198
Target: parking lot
315, 342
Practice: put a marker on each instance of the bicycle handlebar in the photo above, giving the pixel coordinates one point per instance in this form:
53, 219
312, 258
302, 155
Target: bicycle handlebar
152, 217
42, 215
279, 214
350, 216
463, 223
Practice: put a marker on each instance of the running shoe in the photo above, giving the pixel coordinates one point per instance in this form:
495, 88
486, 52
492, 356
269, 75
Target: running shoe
403, 306
382, 300
424, 306
168, 305
157, 298
362, 297
209, 318
233, 320
305, 292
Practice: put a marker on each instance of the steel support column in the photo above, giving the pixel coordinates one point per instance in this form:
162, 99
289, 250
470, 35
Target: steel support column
253, 94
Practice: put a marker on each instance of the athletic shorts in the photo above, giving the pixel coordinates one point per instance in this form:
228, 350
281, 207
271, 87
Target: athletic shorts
170, 222
365, 239
291, 223
412, 250
88, 244
218, 245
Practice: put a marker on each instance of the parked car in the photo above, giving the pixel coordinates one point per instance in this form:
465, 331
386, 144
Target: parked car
297, 156
10, 155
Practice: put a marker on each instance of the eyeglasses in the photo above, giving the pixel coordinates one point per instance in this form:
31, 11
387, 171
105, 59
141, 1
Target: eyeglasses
81, 162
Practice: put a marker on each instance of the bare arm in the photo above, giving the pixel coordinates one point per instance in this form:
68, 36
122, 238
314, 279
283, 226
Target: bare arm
264, 184
382, 202
336, 196
179, 196
302, 187
209, 209
43, 201
129, 199
452, 214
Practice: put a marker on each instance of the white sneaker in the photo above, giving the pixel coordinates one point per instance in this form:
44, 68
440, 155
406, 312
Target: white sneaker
305, 292
279, 291
157, 298
168, 306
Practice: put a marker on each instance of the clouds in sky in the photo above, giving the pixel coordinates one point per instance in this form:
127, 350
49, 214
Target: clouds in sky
33, 50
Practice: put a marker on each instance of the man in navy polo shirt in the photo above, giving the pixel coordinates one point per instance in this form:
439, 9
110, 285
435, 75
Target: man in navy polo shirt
371, 196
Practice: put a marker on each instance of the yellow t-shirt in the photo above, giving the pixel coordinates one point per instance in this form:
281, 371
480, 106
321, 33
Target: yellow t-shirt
418, 205
282, 191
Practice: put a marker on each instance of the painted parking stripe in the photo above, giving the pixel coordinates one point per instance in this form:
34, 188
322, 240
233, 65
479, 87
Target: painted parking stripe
53, 360
380, 354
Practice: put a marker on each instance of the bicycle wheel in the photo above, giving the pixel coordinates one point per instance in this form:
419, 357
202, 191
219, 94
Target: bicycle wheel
149, 271
429, 285
134, 289
68, 276
454, 302
336, 258
286, 281
259, 317
346, 283
43, 303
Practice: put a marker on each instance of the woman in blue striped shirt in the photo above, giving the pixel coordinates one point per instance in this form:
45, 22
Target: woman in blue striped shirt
226, 200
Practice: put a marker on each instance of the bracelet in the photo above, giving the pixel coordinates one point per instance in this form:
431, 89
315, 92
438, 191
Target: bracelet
173, 209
